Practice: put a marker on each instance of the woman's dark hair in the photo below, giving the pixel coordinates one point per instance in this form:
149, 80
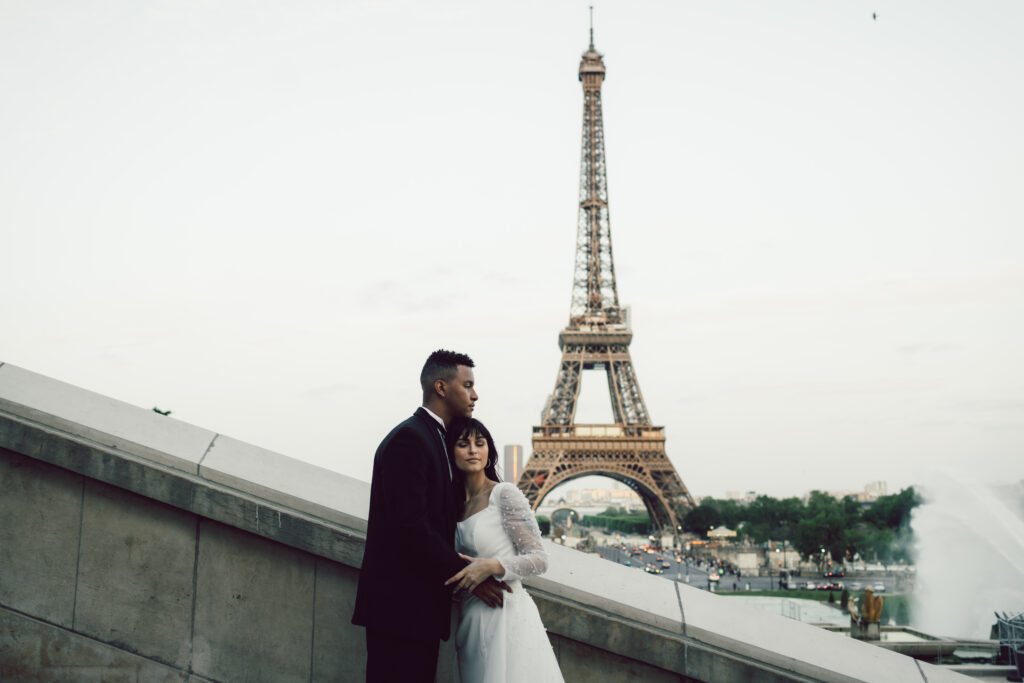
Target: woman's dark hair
465, 427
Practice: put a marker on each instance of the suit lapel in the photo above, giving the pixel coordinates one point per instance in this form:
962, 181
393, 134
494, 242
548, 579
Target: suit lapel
445, 468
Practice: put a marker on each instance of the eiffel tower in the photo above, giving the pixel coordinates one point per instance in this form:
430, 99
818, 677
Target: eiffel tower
631, 450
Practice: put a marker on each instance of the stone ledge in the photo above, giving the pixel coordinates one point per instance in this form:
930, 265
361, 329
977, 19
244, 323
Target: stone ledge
584, 598
267, 518
102, 420
281, 479
149, 438
611, 589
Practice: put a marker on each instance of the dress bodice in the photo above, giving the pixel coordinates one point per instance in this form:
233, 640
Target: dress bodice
505, 529
482, 535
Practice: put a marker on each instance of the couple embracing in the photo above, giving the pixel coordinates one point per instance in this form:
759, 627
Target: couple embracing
442, 527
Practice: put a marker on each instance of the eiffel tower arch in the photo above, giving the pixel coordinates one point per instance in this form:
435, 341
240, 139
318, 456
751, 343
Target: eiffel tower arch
632, 449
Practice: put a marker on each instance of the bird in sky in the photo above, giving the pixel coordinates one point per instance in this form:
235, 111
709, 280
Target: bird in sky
162, 412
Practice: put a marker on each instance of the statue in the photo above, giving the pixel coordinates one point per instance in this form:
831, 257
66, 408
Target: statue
864, 624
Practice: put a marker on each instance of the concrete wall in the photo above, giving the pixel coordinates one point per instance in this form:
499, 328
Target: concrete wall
136, 547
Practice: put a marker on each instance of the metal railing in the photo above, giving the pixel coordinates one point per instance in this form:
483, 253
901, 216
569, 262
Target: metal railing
1011, 641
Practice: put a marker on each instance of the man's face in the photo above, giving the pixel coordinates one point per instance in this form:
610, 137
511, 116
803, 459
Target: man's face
460, 397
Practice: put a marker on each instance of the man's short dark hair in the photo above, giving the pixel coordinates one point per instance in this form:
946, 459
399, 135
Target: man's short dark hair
444, 365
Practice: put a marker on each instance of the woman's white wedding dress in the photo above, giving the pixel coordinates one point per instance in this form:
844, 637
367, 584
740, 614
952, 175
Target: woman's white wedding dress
504, 644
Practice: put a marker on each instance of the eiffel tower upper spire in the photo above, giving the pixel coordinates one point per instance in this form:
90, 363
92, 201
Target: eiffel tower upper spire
591, 27
594, 296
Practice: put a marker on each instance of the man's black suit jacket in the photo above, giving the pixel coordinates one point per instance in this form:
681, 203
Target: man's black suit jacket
410, 536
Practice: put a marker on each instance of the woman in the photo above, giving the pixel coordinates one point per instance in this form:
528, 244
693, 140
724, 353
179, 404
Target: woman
499, 536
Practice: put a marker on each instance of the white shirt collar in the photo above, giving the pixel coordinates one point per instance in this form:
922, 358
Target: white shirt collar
439, 420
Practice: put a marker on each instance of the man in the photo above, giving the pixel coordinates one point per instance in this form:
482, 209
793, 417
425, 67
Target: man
401, 599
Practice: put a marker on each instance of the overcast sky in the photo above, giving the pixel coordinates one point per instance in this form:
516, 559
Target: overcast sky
264, 215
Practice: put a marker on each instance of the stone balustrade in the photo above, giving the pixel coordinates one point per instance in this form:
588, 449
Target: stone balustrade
138, 547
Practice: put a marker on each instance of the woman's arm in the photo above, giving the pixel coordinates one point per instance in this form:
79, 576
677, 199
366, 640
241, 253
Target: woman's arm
521, 526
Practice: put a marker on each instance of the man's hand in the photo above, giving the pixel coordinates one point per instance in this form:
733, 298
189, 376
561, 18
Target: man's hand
476, 572
490, 592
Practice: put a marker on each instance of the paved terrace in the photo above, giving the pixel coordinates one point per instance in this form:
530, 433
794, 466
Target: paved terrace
138, 547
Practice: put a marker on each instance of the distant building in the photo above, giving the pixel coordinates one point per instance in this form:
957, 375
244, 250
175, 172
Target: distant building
513, 465
872, 492
875, 490
722, 533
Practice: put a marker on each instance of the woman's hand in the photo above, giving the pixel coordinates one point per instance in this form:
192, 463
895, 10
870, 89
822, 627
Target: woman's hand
476, 572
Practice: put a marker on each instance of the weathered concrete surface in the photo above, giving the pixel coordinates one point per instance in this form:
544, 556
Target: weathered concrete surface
40, 509
339, 647
583, 662
135, 573
636, 619
33, 651
276, 477
123, 531
254, 608
38, 434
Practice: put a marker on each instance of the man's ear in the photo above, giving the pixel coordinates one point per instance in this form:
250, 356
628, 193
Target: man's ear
440, 387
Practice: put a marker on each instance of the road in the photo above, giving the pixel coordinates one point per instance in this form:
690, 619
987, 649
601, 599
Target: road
697, 574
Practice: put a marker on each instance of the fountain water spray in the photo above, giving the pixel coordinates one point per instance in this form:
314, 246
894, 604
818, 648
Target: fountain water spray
969, 552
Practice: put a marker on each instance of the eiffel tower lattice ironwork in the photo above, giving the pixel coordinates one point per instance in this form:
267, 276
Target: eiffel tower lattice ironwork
631, 450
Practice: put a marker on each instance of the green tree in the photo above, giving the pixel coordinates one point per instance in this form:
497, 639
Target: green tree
893, 511
700, 519
631, 523
545, 525
842, 527
730, 512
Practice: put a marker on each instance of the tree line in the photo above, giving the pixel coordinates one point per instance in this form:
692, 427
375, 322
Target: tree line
843, 528
621, 520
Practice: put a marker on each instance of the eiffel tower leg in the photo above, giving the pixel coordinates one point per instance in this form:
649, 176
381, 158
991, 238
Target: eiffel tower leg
562, 407
624, 386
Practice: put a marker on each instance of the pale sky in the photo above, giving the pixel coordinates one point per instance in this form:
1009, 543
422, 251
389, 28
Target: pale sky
264, 215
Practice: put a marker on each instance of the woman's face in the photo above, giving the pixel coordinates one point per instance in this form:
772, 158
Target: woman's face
471, 452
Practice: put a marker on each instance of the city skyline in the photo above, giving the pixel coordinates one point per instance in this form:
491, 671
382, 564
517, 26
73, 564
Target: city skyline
581, 488
263, 218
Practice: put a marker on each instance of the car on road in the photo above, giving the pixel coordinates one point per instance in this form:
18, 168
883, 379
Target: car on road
856, 585
878, 588
810, 585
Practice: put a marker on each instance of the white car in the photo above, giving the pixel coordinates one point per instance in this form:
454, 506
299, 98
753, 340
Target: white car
878, 588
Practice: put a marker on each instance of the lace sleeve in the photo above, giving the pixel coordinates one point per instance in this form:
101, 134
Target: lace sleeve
520, 524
